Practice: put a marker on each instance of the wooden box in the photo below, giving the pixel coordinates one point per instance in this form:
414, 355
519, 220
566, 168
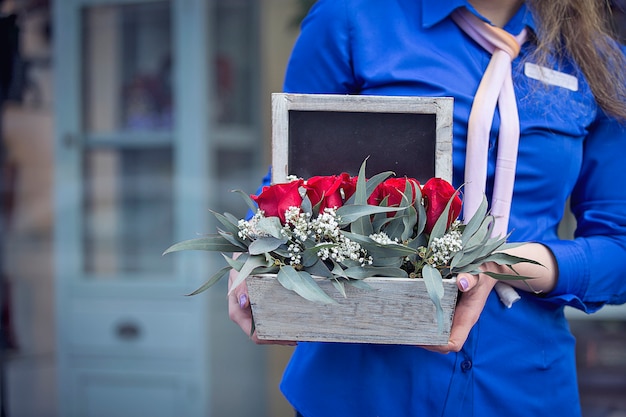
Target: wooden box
327, 134
395, 311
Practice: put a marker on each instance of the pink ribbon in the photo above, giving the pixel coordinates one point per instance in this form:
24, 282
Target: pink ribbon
496, 87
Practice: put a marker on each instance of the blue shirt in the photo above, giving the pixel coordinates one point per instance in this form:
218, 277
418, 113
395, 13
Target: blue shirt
518, 361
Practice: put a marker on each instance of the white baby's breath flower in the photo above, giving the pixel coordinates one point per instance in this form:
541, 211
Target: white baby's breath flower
248, 229
325, 229
445, 247
382, 238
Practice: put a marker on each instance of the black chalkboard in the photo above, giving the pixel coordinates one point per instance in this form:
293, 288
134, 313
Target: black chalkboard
331, 142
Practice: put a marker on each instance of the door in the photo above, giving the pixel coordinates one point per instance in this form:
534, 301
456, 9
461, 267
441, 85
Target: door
155, 118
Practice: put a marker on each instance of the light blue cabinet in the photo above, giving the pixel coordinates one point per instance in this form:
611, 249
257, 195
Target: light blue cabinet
156, 118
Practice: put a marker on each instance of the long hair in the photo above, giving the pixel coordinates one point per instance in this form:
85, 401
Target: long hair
579, 29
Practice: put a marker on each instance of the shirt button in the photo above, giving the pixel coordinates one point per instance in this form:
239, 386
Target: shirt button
466, 365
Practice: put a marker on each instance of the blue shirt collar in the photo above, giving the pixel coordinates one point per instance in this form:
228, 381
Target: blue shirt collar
435, 11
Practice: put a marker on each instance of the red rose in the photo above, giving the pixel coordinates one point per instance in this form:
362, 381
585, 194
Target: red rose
393, 189
330, 191
275, 199
436, 193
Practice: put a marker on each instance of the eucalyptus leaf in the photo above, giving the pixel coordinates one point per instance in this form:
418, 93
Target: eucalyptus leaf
395, 228
421, 216
236, 263
215, 278
349, 214
506, 277
434, 286
211, 243
482, 234
265, 244
474, 223
340, 286
320, 269
233, 239
234, 220
441, 225
306, 205
338, 271
502, 258
360, 284
303, 284
376, 249
470, 255
229, 226
271, 226
395, 262
249, 202
251, 264
372, 271
409, 221
360, 193
367, 187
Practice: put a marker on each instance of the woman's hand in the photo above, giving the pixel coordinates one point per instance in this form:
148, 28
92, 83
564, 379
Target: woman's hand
476, 288
240, 312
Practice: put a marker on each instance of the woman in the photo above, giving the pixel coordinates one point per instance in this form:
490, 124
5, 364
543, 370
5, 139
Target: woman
570, 87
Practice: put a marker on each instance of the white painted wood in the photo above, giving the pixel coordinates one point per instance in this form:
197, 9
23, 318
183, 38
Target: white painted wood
282, 103
397, 311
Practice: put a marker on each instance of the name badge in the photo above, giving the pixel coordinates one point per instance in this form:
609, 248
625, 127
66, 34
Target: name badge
551, 77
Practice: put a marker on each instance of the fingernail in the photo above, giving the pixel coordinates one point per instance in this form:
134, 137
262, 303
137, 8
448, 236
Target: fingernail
464, 284
243, 299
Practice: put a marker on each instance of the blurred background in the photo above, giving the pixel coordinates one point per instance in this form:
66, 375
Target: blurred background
121, 123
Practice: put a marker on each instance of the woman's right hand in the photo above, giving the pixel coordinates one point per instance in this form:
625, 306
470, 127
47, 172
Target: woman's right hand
240, 312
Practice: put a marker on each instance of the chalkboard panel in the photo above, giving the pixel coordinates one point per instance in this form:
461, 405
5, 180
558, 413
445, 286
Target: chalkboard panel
327, 143
317, 134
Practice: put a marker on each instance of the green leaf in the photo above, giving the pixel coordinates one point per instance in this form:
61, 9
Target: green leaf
340, 286
376, 249
233, 239
470, 255
360, 193
372, 271
482, 234
349, 214
264, 245
271, 226
506, 277
474, 223
338, 271
212, 281
366, 187
249, 202
434, 287
236, 263
211, 243
362, 225
360, 284
303, 284
421, 215
229, 226
306, 205
319, 268
234, 220
250, 265
439, 229
409, 221
502, 258
395, 262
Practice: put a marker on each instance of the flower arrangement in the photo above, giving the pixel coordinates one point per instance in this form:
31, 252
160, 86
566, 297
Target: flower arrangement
346, 229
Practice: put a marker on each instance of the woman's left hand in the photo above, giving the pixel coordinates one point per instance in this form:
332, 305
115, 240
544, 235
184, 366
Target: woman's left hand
475, 290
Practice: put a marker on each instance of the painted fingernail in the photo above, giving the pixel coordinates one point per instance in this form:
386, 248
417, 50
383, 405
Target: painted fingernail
464, 284
243, 299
